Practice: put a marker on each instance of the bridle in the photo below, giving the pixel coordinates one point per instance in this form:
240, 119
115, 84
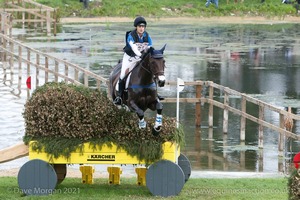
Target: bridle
149, 70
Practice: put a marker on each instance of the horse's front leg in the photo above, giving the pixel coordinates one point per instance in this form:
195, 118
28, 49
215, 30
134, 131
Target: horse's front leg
158, 120
140, 114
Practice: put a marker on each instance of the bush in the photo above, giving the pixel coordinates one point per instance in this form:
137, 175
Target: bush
60, 117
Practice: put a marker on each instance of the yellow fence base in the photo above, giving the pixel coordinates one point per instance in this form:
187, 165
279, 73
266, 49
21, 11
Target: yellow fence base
87, 174
141, 175
106, 154
114, 175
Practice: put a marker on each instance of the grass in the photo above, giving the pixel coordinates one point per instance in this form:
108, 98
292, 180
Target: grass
200, 188
170, 8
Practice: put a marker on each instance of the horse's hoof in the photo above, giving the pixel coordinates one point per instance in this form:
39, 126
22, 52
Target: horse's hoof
155, 131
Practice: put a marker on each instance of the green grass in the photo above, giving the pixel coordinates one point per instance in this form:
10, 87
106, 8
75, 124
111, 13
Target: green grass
200, 188
169, 8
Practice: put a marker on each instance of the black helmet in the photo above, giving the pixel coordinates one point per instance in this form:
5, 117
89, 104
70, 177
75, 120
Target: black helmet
139, 20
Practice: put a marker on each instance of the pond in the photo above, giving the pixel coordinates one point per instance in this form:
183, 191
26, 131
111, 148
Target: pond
262, 60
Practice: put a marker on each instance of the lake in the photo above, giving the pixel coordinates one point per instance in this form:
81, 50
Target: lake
262, 60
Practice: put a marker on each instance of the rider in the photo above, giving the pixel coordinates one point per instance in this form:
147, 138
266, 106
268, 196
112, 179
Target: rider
132, 53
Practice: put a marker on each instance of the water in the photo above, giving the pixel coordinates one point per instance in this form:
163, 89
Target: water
260, 60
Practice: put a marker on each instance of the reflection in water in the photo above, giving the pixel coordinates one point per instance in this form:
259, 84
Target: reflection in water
261, 60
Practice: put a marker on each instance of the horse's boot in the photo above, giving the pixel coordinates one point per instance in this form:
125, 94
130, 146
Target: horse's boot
118, 99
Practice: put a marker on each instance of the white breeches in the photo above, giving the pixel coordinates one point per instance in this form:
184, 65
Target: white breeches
128, 63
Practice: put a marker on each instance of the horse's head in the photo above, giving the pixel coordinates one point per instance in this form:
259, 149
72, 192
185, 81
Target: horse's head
157, 65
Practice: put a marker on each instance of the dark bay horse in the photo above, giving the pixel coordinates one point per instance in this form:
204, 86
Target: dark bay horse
141, 86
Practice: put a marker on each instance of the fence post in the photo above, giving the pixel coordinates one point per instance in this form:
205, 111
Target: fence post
3, 23
281, 136
23, 16
225, 113
243, 119
48, 19
198, 105
10, 25
54, 23
86, 79
56, 71
4, 44
20, 67
28, 71
66, 73
211, 107
37, 70
76, 76
46, 69
11, 60
98, 86
261, 116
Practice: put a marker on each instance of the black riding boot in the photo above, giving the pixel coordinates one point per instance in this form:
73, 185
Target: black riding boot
118, 99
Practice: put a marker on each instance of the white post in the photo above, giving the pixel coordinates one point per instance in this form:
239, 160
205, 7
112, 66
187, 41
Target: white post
177, 104
180, 87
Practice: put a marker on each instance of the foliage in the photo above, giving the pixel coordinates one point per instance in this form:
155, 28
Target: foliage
63, 116
294, 185
169, 8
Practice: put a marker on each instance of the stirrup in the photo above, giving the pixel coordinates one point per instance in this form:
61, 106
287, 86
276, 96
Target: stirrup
118, 101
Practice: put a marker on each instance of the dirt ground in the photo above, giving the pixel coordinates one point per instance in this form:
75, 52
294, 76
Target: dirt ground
219, 20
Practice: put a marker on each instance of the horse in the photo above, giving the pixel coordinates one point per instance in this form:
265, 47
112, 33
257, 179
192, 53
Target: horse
141, 86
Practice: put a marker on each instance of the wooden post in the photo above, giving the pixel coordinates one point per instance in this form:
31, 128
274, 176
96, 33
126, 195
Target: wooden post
98, 85
28, 71
261, 127
198, 139
35, 24
48, 21
210, 133
37, 70
281, 136
225, 156
66, 72
54, 23
260, 160
225, 113
198, 105
76, 75
243, 119
86, 79
11, 60
56, 71
242, 158
211, 107
3, 23
4, 55
23, 16
46, 69
10, 25
29, 20
20, 67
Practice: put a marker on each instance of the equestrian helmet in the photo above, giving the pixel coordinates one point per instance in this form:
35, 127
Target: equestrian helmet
139, 21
